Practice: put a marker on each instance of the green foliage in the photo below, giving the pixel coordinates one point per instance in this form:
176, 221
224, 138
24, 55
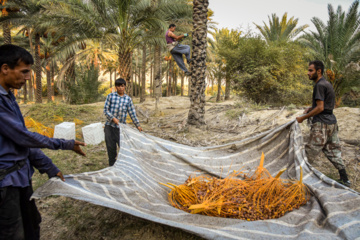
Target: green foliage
280, 31
86, 88
337, 44
268, 73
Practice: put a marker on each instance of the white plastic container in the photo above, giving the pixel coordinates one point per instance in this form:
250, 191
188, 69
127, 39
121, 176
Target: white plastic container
65, 130
93, 134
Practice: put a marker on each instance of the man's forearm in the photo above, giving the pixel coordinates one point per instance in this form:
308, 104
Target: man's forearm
313, 112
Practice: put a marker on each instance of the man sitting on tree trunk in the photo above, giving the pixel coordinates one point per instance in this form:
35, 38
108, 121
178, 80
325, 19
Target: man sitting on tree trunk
176, 49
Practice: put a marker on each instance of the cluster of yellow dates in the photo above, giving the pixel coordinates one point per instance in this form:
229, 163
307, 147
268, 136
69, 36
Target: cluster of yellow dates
258, 196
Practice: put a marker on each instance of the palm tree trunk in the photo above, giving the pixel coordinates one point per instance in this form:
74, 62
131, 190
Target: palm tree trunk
6, 33
25, 91
227, 86
182, 84
198, 66
48, 80
143, 75
151, 72
70, 78
170, 77
137, 80
31, 88
53, 81
175, 83
212, 85
132, 78
38, 98
218, 96
125, 68
157, 72
110, 78
167, 78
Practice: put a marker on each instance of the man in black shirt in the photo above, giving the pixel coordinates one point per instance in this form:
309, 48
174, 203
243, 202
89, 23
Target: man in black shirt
324, 129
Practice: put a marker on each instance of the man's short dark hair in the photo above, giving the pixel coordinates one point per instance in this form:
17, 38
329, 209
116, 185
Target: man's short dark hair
172, 25
318, 65
12, 55
120, 81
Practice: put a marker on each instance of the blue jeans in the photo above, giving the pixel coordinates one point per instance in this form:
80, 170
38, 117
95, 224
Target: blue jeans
177, 53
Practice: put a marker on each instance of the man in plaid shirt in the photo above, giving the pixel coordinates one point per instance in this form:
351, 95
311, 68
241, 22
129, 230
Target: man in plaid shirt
117, 106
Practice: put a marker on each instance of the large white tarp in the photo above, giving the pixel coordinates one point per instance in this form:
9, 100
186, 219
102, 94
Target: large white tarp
132, 186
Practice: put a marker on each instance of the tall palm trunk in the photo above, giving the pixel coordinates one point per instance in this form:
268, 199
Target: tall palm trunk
143, 76
218, 96
53, 81
227, 85
110, 78
132, 77
125, 68
70, 78
31, 88
157, 72
212, 85
198, 66
182, 83
6, 33
48, 80
31, 81
170, 77
175, 83
38, 98
151, 73
25, 91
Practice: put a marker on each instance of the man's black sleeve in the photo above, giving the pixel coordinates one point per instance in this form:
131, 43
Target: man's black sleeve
319, 92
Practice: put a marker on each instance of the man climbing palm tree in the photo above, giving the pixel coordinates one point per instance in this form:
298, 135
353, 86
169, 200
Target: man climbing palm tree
176, 49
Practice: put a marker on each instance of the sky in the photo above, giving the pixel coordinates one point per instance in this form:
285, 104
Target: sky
235, 14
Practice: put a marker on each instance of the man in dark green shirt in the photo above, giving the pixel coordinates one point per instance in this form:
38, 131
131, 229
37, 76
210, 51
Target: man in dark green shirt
324, 129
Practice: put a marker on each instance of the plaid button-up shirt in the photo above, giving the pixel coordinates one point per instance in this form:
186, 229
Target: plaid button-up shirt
117, 106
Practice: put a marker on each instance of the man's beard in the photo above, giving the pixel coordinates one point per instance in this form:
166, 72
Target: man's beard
314, 76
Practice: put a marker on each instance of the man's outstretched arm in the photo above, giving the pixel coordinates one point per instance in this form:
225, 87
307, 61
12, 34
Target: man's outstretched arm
177, 38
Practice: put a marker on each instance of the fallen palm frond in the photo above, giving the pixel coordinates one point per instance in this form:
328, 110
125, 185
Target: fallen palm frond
38, 127
58, 119
78, 121
259, 196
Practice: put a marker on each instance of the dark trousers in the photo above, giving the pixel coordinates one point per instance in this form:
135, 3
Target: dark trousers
19, 217
112, 137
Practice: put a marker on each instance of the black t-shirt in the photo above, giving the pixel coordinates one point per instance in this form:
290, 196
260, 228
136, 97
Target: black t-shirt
324, 91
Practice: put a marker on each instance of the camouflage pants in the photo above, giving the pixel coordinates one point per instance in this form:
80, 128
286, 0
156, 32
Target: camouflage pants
324, 137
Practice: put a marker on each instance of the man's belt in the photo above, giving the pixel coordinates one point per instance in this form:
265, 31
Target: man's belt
18, 165
170, 46
327, 111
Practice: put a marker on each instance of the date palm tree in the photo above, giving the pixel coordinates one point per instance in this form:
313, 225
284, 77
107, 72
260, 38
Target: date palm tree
5, 11
121, 23
280, 31
337, 44
196, 114
24, 14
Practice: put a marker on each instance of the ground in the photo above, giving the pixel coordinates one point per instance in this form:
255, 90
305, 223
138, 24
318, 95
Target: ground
65, 218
